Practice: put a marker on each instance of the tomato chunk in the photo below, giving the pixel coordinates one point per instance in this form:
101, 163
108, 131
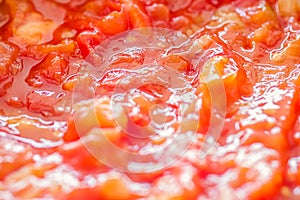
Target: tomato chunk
53, 69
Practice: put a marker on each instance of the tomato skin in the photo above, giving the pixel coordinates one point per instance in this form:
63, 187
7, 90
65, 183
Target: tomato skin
159, 13
179, 22
71, 134
87, 40
114, 23
59, 70
52, 69
66, 47
9, 53
138, 18
175, 6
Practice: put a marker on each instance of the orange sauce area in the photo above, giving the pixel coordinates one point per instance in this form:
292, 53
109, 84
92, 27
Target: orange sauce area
71, 85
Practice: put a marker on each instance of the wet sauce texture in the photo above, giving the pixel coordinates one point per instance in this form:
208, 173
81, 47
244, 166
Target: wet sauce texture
57, 92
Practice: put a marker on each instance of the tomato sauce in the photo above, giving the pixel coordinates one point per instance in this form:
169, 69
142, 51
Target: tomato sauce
149, 99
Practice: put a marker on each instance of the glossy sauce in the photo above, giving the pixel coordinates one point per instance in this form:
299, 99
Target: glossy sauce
64, 63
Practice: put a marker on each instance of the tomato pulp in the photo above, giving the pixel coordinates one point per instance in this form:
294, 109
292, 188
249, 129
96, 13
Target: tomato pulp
61, 102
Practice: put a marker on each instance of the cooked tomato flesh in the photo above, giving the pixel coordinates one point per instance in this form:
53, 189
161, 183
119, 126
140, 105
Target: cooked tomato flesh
71, 85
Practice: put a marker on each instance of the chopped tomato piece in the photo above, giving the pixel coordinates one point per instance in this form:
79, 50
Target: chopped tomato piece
159, 13
52, 69
66, 47
137, 15
14, 155
150, 99
9, 53
114, 23
87, 40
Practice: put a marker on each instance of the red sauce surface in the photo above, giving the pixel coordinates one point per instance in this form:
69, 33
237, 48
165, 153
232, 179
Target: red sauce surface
53, 99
